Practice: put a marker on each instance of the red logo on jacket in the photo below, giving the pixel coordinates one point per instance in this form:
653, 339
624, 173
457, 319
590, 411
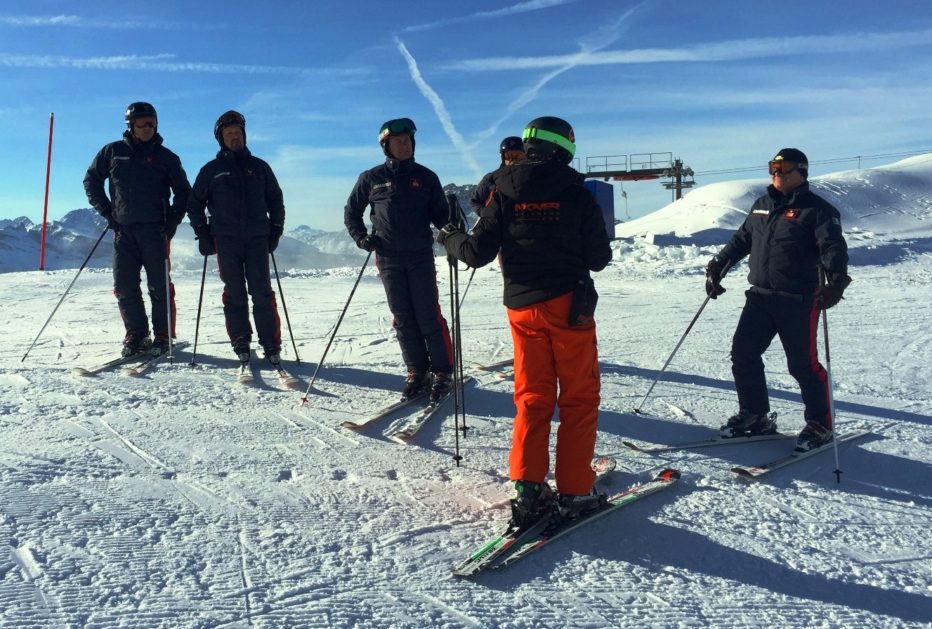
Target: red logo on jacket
791, 213
415, 183
538, 211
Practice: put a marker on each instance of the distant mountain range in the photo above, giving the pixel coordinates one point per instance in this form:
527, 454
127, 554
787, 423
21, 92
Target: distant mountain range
69, 240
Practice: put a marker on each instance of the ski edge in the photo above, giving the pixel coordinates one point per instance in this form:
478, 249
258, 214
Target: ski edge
756, 471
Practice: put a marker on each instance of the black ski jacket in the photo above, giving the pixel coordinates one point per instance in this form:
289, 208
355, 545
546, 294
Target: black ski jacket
480, 195
547, 226
788, 238
143, 177
406, 198
241, 194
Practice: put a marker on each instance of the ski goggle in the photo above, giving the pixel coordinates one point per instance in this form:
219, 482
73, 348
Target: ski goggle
533, 133
397, 127
144, 125
782, 167
232, 117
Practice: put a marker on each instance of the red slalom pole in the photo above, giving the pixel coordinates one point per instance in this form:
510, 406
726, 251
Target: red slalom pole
45, 210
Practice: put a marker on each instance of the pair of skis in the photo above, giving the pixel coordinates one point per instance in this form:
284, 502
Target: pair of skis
514, 544
134, 365
755, 471
409, 429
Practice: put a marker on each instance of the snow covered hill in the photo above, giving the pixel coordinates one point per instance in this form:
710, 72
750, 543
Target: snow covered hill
181, 499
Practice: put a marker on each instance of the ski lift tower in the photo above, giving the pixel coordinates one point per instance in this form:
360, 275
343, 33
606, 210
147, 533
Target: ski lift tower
641, 166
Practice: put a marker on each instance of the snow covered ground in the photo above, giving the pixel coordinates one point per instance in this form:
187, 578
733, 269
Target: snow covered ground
181, 499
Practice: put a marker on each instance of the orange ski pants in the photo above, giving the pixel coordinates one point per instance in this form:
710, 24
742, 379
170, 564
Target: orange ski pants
551, 356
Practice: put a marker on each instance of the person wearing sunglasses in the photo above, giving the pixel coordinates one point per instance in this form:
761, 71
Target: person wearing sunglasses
405, 200
511, 150
143, 205
247, 218
793, 239
548, 230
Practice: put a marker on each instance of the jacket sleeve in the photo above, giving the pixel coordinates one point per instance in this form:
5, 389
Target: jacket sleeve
198, 198
740, 243
481, 194
275, 200
97, 173
483, 245
181, 189
439, 208
597, 251
833, 250
355, 207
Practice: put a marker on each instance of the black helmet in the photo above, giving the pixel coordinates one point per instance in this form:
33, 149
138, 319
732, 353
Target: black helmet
548, 137
139, 110
511, 143
226, 119
398, 126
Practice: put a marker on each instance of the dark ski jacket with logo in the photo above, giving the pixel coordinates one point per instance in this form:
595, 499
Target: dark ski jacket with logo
241, 195
547, 227
788, 237
406, 199
143, 177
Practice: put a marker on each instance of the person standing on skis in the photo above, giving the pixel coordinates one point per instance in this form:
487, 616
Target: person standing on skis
790, 234
549, 232
406, 198
247, 219
143, 176
511, 150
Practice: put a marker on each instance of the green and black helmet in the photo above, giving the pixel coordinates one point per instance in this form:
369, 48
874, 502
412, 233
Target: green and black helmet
398, 126
548, 138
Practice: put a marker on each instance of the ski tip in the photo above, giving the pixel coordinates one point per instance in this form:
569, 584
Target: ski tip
632, 445
80, 372
669, 474
129, 372
743, 472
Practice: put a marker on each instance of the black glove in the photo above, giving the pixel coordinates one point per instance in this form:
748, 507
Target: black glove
830, 294
205, 242
369, 242
111, 222
275, 234
713, 277
168, 229
448, 230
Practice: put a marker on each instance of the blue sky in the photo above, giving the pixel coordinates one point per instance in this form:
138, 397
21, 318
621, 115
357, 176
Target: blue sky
719, 84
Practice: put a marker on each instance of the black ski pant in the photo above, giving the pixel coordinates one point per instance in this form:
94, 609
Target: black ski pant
796, 321
135, 247
410, 282
244, 262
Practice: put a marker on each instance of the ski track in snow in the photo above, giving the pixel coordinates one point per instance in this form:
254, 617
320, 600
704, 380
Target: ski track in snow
183, 499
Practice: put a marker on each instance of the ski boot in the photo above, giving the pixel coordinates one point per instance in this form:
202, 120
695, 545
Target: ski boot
570, 507
746, 424
813, 436
133, 345
274, 356
160, 345
416, 382
533, 502
440, 386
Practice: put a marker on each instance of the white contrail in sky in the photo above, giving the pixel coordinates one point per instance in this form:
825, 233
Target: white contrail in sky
521, 7
440, 109
598, 40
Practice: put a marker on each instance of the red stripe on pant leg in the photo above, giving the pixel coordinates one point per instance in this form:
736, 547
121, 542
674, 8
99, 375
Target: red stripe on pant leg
814, 363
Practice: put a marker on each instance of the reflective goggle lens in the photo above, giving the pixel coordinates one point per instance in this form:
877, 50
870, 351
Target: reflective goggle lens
782, 167
144, 125
396, 127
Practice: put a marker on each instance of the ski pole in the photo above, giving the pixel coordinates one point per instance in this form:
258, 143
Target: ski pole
197, 322
828, 373
459, 402
637, 409
54, 310
335, 329
285, 308
168, 301
468, 283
